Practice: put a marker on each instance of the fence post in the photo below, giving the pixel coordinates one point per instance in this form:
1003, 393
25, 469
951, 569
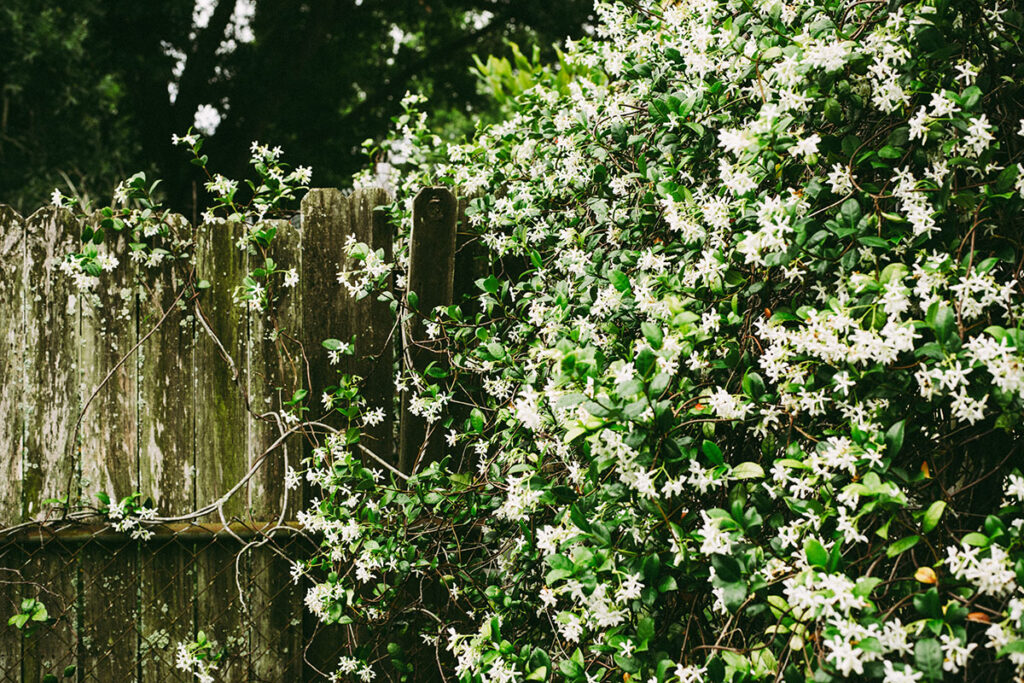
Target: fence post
430, 284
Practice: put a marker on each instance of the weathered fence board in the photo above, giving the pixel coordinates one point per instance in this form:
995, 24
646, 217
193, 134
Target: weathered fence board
431, 279
222, 430
50, 393
180, 412
109, 458
167, 466
12, 364
275, 363
51, 399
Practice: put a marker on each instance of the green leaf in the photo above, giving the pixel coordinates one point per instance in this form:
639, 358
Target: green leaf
748, 470
816, 554
652, 333
902, 545
538, 674
727, 568
1016, 646
570, 669
932, 515
850, 211
941, 319
928, 658
476, 420
975, 539
712, 451
894, 438
579, 519
753, 385
619, 280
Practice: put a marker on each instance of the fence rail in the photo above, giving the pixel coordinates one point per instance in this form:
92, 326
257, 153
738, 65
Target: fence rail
179, 399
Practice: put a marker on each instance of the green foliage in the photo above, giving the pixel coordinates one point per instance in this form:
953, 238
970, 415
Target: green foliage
745, 373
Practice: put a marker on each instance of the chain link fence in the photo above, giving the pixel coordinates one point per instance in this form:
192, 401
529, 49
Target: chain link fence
116, 609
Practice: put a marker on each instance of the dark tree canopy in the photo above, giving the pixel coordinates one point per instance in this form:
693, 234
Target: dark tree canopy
85, 96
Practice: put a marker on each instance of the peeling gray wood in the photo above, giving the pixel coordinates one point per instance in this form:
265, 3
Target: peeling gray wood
109, 464
221, 432
221, 438
51, 397
166, 464
12, 363
12, 382
276, 369
51, 405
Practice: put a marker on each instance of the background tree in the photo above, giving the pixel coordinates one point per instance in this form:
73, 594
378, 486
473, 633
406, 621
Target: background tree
92, 91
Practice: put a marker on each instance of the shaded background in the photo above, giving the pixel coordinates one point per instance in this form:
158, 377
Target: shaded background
91, 90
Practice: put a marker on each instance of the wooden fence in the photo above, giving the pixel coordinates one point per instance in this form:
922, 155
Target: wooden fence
170, 417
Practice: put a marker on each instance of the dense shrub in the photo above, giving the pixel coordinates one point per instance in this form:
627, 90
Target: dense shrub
743, 388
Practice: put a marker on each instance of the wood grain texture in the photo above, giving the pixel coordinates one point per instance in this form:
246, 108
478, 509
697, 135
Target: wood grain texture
51, 404
276, 370
12, 363
166, 465
52, 344
110, 464
12, 382
431, 266
221, 441
374, 328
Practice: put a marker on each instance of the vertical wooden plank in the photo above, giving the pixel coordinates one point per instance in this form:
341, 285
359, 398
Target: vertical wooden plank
328, 219
12, 348
12, 363
221, 437
276, 370
221, 430
431, 273
325, 222
471, 264
51, 404
109, 463
166, 458
324, 225
374, 324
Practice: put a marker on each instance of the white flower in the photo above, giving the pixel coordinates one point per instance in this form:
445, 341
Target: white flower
979, 135
56, 198
904, 675
806, 147
1014, 487
841, 179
